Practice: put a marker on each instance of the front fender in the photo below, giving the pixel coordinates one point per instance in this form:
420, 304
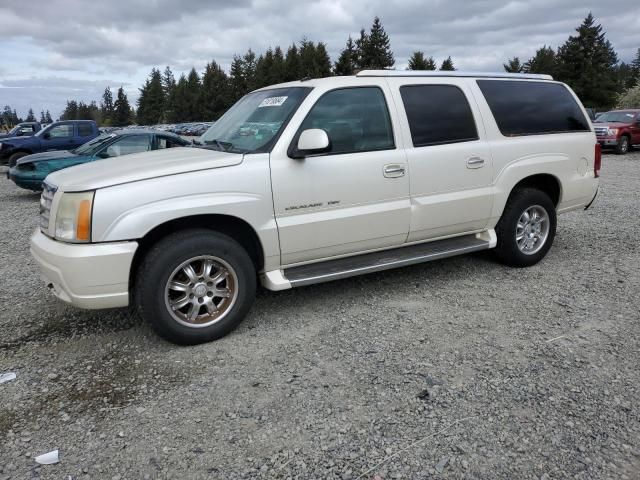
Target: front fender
130, 211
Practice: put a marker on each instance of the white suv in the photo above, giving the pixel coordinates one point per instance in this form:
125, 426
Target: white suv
311, 181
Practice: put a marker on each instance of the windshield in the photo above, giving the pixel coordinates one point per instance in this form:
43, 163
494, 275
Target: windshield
620, 117
92, 146
255, 121
14, 130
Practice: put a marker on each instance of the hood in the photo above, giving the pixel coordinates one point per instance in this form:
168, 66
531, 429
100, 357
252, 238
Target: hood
16, 140
39, 157
140, 166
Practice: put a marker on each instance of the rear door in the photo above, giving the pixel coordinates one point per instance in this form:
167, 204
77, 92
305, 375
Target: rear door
353, 198
449, 157
85, 132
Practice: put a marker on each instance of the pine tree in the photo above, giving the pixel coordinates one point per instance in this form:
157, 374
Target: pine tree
42, 119
314, 60
151, 100
447, 65
513, 65
292, 64
168, 87
587, 62
264, 69
179, 102
362, 46
544, 61
192, 96
279, 68
214, 93
237, 83
47, 117
323, 61
417, 61
249, 64
376, 49
71, 111
106, 107
635, 70
121, 109
347, 61
30, 116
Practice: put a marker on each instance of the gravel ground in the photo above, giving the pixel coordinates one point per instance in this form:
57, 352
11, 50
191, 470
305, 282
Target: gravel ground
460, 368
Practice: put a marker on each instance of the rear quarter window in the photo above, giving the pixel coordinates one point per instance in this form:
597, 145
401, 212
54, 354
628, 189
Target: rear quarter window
533, 108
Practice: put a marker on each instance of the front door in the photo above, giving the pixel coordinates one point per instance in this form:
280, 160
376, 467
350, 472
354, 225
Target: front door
449, 158
354, 197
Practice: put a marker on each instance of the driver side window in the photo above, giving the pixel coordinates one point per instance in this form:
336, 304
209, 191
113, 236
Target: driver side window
129, 145
355, 119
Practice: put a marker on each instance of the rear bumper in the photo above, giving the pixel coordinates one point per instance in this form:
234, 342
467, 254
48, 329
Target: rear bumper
90, 276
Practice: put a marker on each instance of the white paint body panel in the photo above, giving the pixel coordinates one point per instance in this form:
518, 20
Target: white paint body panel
360, 209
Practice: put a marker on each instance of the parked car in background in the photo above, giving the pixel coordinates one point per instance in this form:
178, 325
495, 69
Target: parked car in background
618, 129
65, 135
24, 129
317, 180
30, 171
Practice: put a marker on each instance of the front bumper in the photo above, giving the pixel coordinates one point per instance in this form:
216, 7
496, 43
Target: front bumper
91, 276
608, 142
28, 180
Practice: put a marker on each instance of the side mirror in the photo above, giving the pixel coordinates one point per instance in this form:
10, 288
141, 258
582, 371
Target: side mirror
312, 141
19, 134
46, 135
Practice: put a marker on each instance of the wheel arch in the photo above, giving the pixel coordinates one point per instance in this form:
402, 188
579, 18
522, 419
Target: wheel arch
234, 227
544, 182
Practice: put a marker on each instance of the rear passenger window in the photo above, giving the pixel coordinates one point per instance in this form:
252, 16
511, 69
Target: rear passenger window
355, 119
84, 129
438, 114
532, 108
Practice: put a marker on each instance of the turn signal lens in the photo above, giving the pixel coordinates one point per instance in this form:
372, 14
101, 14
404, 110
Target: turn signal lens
83, 222
597, 161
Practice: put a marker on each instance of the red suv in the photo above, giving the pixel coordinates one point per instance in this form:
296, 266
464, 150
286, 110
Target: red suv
619, 129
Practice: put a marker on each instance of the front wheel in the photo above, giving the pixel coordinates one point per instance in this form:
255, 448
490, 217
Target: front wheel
195, 286
526, 229
13, 159
623, 145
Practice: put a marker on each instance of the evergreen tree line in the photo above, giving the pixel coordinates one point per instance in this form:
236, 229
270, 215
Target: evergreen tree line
588, 63
9, 118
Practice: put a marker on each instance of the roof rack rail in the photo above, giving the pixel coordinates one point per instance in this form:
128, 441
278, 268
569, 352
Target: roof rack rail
455, 73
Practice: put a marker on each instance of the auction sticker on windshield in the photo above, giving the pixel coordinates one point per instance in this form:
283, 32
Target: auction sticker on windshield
273, 101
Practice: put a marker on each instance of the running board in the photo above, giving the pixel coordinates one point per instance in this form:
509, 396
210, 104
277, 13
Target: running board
376, 261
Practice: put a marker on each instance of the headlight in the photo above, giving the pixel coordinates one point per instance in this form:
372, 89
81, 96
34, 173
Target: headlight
73, 218
612, 131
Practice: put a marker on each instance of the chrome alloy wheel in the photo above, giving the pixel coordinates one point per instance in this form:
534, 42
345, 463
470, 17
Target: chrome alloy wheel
201, 291
532, 229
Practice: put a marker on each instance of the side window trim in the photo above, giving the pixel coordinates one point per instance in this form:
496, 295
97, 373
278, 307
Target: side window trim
294, 141
444, 142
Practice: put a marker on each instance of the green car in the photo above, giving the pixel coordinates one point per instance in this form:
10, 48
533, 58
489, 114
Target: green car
30, 171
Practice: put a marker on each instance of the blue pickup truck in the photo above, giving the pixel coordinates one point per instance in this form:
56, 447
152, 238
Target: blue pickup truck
65, 135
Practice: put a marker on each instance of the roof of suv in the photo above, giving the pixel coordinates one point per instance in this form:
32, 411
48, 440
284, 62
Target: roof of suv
312, 82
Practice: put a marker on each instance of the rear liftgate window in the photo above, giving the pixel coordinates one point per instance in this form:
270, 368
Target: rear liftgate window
532, 108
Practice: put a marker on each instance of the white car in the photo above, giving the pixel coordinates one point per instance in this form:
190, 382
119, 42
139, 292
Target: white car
315, 180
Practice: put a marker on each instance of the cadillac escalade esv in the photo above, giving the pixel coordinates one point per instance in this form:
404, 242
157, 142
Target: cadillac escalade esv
316, 180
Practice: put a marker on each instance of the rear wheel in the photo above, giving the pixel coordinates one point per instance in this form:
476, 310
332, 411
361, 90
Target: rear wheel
13, 159
195, 286
623, 145
526, 229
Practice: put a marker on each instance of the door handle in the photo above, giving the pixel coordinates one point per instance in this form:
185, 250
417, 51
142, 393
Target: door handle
394, 170
475, 162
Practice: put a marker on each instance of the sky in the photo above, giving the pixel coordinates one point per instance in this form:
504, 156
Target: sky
55, 50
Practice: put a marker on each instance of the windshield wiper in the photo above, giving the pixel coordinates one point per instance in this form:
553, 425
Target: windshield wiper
223, 146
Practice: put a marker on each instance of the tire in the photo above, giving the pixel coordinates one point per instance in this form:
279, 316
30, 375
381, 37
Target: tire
13, 159
623, 145
230, 282
513, 224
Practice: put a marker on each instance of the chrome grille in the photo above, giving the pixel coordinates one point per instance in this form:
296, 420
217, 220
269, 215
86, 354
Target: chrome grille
601, 131
48, 191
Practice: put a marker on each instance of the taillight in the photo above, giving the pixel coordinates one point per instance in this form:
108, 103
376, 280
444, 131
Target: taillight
597, 162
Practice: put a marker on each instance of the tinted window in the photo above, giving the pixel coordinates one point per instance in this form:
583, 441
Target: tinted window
355, 119
438, 114
128, 145
61, 131
166, 142
530, 108
84, 129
